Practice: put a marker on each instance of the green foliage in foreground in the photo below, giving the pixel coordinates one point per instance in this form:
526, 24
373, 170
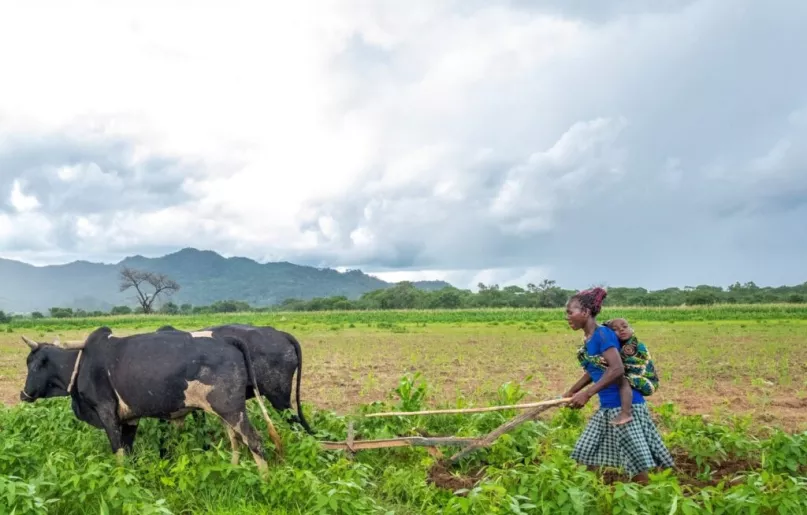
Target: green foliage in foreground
386, 318
52, 463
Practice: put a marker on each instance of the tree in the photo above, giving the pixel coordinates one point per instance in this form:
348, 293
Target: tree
513, 290
57, 312
140, 280
229, 306
447, 298
169, 308
546, 284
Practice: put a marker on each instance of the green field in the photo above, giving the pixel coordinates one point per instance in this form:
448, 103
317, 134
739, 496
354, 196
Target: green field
732, 407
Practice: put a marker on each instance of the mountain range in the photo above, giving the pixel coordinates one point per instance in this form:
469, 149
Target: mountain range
203, 275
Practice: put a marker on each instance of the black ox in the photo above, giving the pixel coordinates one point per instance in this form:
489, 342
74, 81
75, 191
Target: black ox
115, 381
276, 356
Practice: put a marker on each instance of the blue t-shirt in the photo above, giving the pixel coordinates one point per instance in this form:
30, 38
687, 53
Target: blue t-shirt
602, 339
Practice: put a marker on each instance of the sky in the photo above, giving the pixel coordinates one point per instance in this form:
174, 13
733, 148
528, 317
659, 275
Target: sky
624, 143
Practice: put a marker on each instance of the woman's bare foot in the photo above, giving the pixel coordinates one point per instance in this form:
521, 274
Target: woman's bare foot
622, 418
642, 478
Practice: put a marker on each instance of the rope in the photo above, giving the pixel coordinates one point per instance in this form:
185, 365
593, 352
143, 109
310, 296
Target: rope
74, 374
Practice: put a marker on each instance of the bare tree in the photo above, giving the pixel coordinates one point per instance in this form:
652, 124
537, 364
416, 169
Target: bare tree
141, 280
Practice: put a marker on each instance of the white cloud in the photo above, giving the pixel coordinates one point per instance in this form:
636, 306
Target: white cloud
469, 139
20, 200
584, 156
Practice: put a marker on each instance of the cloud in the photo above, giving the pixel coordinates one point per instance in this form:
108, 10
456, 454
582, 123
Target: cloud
496, 209
61, 190
617, 142
20, 201
632, 147
58, 174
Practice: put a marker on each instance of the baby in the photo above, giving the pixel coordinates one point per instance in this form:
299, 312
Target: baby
640, 372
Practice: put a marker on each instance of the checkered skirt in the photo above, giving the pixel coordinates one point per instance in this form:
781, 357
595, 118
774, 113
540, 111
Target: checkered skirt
636, 446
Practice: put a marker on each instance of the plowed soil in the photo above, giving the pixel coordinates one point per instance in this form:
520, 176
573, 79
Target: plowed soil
711, 368
442, 476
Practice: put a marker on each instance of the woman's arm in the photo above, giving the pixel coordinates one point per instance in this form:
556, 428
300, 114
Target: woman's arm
614, 371
584, 380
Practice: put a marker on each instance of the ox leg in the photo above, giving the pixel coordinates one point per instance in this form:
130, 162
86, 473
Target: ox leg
240, 424
235, 442
163, 448
161, 440
176, 424
114, 431
128, 433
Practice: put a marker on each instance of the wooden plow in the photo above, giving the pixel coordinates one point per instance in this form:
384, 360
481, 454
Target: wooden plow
467, 445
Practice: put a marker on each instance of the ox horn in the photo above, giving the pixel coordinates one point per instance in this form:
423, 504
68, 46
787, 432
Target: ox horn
30, 343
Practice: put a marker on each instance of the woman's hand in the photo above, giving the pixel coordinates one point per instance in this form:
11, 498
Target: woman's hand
612, 373
581, 383
579, 399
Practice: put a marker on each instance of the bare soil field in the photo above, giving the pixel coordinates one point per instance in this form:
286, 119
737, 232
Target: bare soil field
712, 368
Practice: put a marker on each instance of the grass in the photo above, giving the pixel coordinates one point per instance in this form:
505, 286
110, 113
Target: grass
732, 406
509, 316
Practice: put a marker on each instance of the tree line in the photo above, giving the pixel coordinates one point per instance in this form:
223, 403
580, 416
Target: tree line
548, 294
405, 295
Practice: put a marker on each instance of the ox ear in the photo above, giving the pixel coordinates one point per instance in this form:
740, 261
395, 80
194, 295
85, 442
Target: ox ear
32, 344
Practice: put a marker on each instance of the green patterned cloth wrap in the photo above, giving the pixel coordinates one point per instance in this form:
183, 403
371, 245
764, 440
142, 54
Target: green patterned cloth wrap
638, 363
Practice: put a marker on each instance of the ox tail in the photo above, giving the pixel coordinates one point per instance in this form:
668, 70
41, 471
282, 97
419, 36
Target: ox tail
299, 352
240, 345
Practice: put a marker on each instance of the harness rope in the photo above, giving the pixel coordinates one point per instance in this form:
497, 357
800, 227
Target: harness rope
75, 372
72, 378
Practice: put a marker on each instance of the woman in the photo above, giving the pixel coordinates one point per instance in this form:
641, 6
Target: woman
636, 446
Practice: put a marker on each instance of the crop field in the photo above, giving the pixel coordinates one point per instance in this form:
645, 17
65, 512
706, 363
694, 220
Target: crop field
732, 407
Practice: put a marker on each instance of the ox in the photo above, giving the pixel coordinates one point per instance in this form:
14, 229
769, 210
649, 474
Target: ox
276, 356
113, 382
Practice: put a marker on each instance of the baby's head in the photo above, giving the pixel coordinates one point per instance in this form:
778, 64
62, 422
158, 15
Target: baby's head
621, 327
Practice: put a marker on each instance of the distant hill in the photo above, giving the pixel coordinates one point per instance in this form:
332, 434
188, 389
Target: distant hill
204, 276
